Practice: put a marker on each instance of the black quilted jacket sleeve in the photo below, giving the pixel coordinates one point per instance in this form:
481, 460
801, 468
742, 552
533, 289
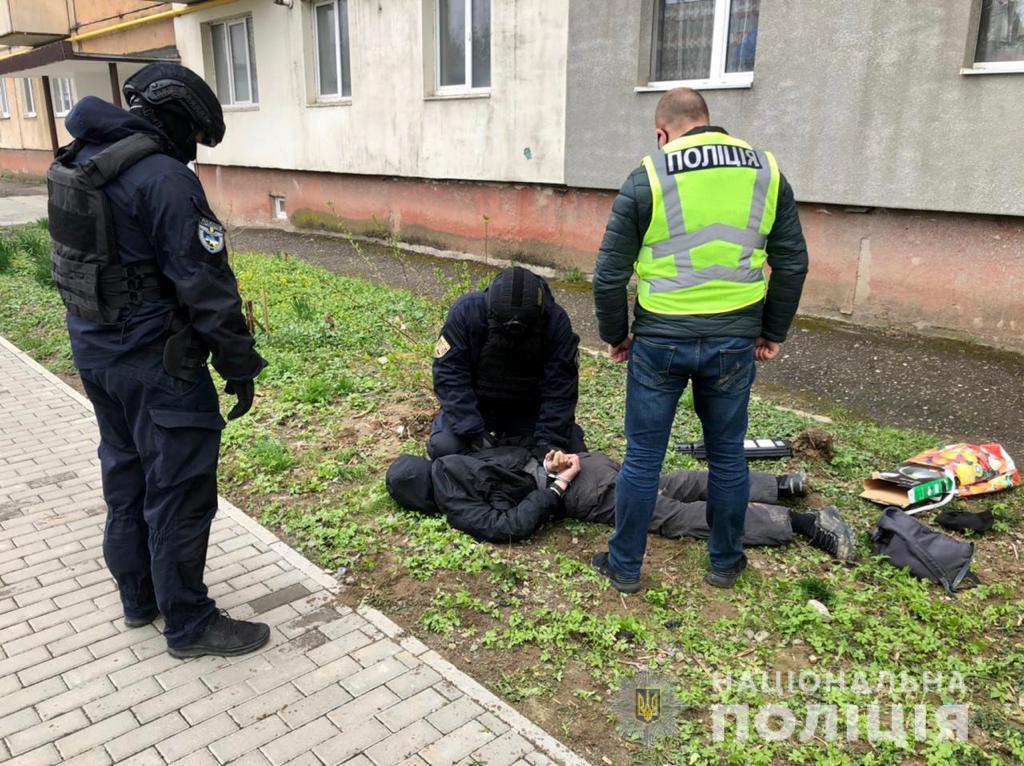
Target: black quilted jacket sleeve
787, 255
631, 214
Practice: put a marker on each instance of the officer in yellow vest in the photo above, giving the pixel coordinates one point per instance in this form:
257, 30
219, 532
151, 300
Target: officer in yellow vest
697, 222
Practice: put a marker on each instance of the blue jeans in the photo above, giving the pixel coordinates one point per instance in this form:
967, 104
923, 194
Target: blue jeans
722, 372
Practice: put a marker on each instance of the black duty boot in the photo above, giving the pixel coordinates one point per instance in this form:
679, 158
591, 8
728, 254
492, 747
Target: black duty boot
140, 622
225, 637
793, 484
623, 585
726, 578
833, 535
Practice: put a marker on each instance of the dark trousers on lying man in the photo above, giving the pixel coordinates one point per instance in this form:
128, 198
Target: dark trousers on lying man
681, 507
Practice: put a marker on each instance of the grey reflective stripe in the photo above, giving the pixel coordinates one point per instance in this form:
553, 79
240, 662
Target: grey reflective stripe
690, 278
761, 187
680, 243
670, 194
718, 232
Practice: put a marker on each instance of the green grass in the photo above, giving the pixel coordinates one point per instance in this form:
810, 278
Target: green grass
348, 388
573, 276
31, 312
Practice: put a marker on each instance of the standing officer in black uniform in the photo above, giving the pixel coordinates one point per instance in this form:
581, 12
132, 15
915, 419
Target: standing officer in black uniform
506, 370
140, 262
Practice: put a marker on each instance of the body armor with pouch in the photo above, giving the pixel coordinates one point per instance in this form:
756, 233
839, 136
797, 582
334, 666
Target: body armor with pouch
85, 264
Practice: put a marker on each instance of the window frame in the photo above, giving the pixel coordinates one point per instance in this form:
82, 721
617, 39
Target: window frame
971, 64
57, 92
5, 100
467, 87
718, 78
28, 93
250, 54
340, 97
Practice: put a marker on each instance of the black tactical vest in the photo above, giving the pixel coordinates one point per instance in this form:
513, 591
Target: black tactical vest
85, 262
511, 367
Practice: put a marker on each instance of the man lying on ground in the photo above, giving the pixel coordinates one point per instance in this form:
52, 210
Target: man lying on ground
504, 495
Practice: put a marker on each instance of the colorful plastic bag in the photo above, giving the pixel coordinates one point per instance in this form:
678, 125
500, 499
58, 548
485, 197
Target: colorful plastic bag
978, 468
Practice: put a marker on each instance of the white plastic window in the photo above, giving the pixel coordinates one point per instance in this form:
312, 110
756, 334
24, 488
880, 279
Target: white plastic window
234, 62
30, 97
463, 55
1001, 36
63, 96
333, 64
704, 43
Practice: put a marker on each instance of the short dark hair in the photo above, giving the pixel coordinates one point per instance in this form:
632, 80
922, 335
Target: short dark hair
680, 106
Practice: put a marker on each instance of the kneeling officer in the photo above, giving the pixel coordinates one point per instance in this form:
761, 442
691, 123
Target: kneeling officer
140, 261
506, 370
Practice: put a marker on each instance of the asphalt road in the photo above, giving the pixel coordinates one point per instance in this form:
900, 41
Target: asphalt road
953, 390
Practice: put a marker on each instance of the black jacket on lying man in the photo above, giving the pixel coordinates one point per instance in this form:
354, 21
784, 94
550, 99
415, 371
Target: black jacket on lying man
505, 494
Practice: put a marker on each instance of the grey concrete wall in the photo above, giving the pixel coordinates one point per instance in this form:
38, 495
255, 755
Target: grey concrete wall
863, 103
394, 125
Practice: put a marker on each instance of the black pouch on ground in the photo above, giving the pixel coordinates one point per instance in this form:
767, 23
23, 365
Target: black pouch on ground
928, 554
961, 521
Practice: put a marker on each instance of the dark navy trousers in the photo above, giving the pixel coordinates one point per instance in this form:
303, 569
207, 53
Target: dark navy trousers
159, 443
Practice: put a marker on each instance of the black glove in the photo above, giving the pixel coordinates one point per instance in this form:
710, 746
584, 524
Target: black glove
483, 441
245, 390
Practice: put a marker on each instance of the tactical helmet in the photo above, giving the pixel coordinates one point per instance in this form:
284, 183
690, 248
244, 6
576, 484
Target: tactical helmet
162, 84
516, 301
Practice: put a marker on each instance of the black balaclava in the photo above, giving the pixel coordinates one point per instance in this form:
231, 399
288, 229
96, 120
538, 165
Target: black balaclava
516, 303
409, 483
175, 122
511, 363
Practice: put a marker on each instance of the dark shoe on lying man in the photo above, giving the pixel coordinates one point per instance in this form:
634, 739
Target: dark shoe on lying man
833, 535
622, 584
793, 484
225, 637
726, 578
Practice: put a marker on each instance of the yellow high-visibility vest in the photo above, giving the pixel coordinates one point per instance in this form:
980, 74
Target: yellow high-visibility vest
715, 200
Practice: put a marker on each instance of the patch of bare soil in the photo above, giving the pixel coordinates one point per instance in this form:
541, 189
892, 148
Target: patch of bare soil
814, 444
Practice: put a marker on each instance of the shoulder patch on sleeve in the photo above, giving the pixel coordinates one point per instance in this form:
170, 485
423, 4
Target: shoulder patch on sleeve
211, 236
442, 347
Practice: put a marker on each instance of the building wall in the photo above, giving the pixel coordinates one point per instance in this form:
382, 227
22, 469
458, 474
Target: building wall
19, 131
862, 102
952, 275
91, 14
25, 145
537, 223
517, 133
96, 14
864, 106
25, 162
